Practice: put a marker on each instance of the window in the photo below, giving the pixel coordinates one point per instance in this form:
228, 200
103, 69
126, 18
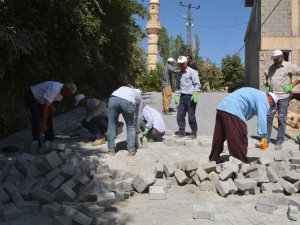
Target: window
287, 56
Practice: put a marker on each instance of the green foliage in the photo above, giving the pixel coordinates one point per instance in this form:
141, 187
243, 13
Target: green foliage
92, 42
152, 80
233, 70
164, 45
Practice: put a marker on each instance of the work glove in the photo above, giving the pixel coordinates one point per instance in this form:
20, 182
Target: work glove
195, 97
267, 88
145, 132
298, 137
263, 144
176, 99
287, 88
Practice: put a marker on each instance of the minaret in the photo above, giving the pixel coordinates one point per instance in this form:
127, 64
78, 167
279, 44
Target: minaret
153, 27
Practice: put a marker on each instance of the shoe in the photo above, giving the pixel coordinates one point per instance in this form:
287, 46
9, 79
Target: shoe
120, 126
100, 141
180, 133
172, 109
193, 136
278, 146
111, 152
131, 153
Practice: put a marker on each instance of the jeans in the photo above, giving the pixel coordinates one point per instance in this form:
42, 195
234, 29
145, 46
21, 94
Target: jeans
35, 118
97, 126
186, 105
117, 106
281, 107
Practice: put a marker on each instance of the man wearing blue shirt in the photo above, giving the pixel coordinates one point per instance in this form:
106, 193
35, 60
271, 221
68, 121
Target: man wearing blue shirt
232, 114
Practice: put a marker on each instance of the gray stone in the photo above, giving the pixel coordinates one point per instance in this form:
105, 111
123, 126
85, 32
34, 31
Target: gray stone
45, 196
209, 167
201, 211
65, 194
208, 186
226, 187
71, 183
68, 170
227, 173
169, 170
89, 192
284, 155
287, 186
3, 195
272, 174
142, 181
266, 203
157, 193
62, 220
52, 174
179, 142
106, 199
295, 202
293, 213
10, 212
52, 209
52, 160
181, 177
188, 143
169, 142
28, 207
191, 165
77, 216
13, 191
295, 160
245, 184
213, 176
159, 171
289, 175
202, 174
57, 181
272, 187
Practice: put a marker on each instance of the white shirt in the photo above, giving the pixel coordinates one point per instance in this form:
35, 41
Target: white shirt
154, 119
47, 91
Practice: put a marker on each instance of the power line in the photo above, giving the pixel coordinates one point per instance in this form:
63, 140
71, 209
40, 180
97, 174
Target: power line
220, 27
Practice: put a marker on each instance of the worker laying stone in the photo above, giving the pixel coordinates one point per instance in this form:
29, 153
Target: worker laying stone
96, 120
188, 86
152, 124
128, 102
39, 99
232, 114
279, 80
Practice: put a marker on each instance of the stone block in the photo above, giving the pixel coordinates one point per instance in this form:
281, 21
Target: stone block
62, 220
71, 183
45, 196
272, 174
227, 173
213, 176
181, 177
208, 186
10, 212
295, 160
106, 199
91, 208
202, 174
13, 191
159, 170
191, 165
287, 186
157, 193
169, 170
169, 132
284, 155
293, 213
89, 192
209, 167
272, 187
245, 184
3, 195
169, 142
162, 182
179, 142
57, 181
52, 174
52, 160
143, 180
188, 143
266, 203
266, 159
52, 209
289, 175
65, 194
28, 207
226, 187
96, 177
295, 202
259, 175
204, 143
68, 170
77, 216
201, 211
297, 185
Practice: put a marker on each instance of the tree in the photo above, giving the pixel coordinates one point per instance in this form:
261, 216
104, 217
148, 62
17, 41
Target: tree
197, 45
164, 45
178, 47
233, 70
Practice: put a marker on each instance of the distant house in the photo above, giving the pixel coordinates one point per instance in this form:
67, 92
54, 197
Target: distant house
268, 31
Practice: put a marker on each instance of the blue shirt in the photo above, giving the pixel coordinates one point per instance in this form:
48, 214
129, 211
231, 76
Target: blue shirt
246, 103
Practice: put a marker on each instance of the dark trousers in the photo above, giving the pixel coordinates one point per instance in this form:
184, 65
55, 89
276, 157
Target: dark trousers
152, 133
233, 129
97, 126
36, 114
186, 105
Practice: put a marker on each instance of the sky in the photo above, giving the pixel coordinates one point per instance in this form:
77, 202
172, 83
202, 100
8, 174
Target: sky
213, 23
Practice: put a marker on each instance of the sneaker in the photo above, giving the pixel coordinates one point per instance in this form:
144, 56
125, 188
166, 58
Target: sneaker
193, 136
100, 141
278, 146
172, 109
180, 133
120, 126
131, 153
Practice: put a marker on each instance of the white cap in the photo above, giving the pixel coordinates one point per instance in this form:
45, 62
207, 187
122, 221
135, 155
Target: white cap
171, 60
78, 98
138, 91
276, 54
182, 59
275, 98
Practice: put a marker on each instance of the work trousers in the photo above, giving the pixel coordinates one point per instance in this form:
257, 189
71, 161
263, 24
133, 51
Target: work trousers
35, 117
231, 128
186, 105
166, 98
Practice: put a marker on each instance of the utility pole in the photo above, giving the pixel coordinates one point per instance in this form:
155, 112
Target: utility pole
189, 26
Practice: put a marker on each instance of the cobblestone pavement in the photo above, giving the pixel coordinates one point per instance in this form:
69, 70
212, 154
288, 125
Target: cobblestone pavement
177, 209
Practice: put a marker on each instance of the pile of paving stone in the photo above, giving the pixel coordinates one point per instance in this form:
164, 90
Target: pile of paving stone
274, 180
63, 185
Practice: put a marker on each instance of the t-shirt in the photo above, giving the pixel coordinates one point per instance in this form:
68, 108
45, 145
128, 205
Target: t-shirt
48, 91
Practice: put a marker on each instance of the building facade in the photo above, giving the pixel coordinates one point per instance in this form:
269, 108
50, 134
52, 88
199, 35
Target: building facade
153, 27
268, 31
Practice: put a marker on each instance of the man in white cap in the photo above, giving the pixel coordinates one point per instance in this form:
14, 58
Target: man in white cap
232, 114
128, 102
96, 120
40, 99
278, 78
167, 81
188, 86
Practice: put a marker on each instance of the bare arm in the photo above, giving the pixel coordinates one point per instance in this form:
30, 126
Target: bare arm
45, 112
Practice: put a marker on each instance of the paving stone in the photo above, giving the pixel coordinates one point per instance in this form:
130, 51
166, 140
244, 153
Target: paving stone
57, 181
142, 181
245, 184
157, 193
209, 167
295, 202
297, 185
204, 143
159, 170
3, 195
284, 155
226, 187
10, 212
65, 194
180, 166
289, 175
259, 175
45, 196
293, 213
62, 220
169, 170
272, 174
52, 174
201, 211
28, 207
169, 132
202, 174
52, 209
179, 142
287, 186
225, 174
89, 192
181, 177
162, 182
188, 143
91, 208
106, 199
272, 187
13, 191
68, 170
208, 186
52, 160
191, 165
281, 199
295, 160
71, 183
77, 216
266, 203
213, 176
195, 178
169, 142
